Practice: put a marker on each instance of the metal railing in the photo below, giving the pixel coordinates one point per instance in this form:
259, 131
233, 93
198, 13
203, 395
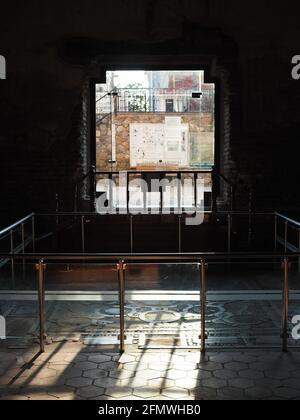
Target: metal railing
92, 175
164, 100
122, 261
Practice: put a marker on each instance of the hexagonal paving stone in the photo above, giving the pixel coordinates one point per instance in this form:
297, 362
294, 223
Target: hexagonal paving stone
108, 365
262, 366
95, 373
148, 374
229, 393
161, 383
277, 374
210, 366
193, 358
160, 366
296, 374
268, 383
61, 391
45, 373
107, 382
126, 358
202, 393
286, 393
291, 383
146, 392
199, 374
214, 383
99, 358
241, 383
221, 358
175, 374
251, 374
122, 374
85, 365
244, 358
236, 366
225, 374
71, 372
90, 391
172, 358
118, 391
79, 382
175, 393
136, 366
136, 382
258, 392
187, 383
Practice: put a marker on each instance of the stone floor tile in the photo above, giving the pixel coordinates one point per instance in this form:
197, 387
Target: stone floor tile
90, 391
161, 383
99, 358
199, 374
251, 374
241, 383
126, 358
225, 374
210, 366
79, 382
258, 393
136, 366
214, 383
148, 374
122, 374
146, 392
86, 365
118, 391
202, 393
175, 393
95, 373
108, 382
174, 374
286, 393
187, 383
236, 366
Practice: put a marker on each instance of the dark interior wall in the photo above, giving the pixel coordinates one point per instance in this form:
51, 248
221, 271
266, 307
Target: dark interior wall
54, 48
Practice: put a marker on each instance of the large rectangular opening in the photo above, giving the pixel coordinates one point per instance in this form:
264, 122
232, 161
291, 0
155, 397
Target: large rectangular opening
155, 120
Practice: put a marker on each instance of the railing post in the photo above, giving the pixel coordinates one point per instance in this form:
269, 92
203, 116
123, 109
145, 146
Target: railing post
275, 232
83, 234
203, 336
121, 267
285, 306
23, 248
229, 226
286, 236
299, 250
92, 188
41, 296
12, 259
131, 234
213, 189
33, 233
179, 233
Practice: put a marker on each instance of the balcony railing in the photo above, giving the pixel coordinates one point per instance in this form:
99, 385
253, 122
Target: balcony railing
155, 100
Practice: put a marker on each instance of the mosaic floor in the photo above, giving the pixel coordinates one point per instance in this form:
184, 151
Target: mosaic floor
230, 322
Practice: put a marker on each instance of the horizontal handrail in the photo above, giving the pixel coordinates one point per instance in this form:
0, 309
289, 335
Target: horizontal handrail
154, 171
195, 257
287, 219
206, 212
17, 224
